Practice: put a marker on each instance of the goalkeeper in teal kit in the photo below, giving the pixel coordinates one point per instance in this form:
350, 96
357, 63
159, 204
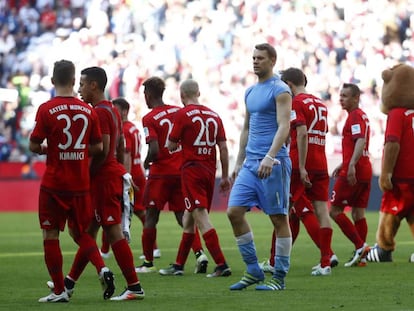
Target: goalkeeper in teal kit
263, 171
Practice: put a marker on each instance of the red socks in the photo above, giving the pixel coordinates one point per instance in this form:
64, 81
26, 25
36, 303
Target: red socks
125, 260
54, 263
213, 246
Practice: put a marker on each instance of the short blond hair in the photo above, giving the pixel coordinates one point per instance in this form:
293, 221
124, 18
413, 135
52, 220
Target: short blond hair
190, 88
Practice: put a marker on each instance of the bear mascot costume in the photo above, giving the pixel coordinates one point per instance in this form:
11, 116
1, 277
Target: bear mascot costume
397, 169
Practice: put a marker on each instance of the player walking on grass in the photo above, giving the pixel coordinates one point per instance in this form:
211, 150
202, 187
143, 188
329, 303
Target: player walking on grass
164, 179
198, 129
353, 183
133, 164
107, 185
263, 169
309, 186
71, 129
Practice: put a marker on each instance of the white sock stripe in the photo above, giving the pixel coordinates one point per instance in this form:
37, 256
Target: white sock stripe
244, 238
284, 246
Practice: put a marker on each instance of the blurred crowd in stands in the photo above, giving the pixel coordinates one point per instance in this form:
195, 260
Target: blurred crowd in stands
210, 40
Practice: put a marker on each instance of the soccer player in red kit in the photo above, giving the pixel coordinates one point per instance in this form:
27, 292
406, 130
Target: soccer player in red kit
198, 129
132, 163
353, 175
309, 179
71, 128
107, 183
396, 180
164, 179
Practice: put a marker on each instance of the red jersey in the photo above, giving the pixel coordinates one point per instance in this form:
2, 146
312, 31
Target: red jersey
309, 110
157, 126
356, 126
111, 124
199, 129
69, 125
133, 146
400, 128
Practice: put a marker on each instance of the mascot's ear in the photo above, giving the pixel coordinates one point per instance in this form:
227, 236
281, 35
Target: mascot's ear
387, 75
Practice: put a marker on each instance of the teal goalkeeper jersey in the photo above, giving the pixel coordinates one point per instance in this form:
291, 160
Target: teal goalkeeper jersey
260, 103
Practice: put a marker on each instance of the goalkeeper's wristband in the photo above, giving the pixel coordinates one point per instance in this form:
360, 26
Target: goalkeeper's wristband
275, 161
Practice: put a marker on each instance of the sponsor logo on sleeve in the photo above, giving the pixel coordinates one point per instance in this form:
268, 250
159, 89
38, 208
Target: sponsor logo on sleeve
356, 129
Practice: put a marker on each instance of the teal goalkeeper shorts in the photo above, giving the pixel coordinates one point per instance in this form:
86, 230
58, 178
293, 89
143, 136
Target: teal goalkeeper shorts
271, 194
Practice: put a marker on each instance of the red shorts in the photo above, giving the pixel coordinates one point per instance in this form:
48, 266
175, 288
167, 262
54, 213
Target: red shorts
399, 201
302, 197
139, 181
107, 196
344, 194
162, 190
318, 192
302, 206
198, 186
55, 210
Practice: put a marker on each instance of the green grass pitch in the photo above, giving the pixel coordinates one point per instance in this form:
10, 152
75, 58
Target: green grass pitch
386, 286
